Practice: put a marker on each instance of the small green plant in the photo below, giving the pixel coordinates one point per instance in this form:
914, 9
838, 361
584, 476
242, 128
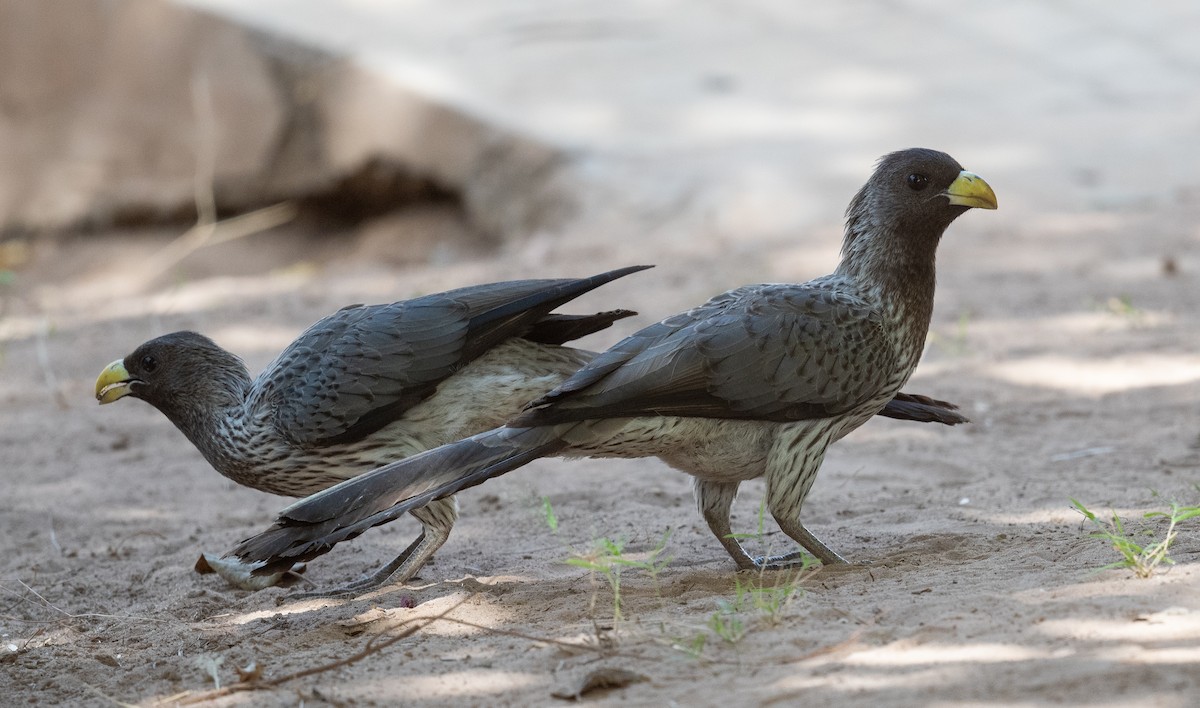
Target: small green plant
769, 600
695, 647
1141, 559
727, 623
548, 512
754, 601
757, 598
1122, 305
607, 559
754, 598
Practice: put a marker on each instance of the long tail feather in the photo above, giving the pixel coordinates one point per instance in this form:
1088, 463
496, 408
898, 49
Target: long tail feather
522, 313
923, 409
560, 329
312, 526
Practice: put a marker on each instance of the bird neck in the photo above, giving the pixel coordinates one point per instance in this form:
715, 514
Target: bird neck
205, 417
895, 265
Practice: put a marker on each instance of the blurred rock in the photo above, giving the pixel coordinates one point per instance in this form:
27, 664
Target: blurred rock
113, 111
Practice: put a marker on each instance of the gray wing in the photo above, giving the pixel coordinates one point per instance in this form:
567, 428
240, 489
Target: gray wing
360, 368
764, 352
361, 364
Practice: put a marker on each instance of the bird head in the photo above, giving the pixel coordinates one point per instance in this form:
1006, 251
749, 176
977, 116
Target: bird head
918, 192
896, 220
173, 372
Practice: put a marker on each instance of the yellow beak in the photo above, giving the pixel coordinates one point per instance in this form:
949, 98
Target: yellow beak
113, 382
970, 190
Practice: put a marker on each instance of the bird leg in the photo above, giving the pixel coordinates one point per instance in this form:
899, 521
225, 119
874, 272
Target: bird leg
369, 582
437, 519
715, 500
788, 483
792, 527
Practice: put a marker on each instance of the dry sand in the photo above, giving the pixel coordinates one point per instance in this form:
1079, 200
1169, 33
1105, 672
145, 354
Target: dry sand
1074, 348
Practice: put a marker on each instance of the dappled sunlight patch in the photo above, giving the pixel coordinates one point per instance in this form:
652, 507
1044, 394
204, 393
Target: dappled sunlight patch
864, 681
45, 635
1033, 517
1151, 655
908, 654
295, 607
130, 514
1099, 376
1176, 625
479, 610
906, 664
463, 684
384, 609
1115, 585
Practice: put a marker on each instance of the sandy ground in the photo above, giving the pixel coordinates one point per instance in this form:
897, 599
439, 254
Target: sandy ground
722, 147
973, 579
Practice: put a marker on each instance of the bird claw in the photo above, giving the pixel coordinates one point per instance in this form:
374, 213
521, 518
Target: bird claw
796, 560
342, 593
801, 561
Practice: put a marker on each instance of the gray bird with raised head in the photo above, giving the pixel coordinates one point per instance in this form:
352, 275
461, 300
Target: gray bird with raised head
758, 381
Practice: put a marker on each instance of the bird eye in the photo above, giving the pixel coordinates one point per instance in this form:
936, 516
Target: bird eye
918, 182
149, 364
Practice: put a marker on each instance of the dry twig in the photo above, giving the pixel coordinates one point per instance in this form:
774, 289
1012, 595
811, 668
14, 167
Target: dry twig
373, 646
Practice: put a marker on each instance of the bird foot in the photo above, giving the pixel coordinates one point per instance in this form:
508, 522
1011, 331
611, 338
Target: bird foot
796, 560
801, 560
343, 593
362, 586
